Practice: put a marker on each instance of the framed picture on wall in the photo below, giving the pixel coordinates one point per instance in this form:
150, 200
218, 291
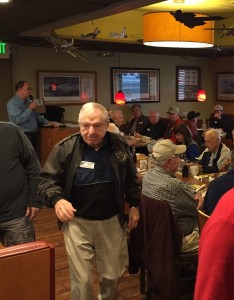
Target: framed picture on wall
66, 88
188, 82
225, 86
138, 85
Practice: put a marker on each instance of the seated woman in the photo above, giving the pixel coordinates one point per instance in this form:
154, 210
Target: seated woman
184, 136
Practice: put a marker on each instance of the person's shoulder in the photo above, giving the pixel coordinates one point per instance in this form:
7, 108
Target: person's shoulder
225, 148
144, 117
69, 139
117, 138
9, 125
14, 98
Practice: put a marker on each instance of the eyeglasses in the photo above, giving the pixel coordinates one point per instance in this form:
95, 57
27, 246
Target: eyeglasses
27, 89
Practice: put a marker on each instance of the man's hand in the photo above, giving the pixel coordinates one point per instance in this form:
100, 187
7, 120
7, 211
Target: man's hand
31, 212
133, 217
64, 211
54, 124
198, 197
32, 105
217, 116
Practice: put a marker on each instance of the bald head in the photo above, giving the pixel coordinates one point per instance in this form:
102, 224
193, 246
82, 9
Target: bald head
117, 117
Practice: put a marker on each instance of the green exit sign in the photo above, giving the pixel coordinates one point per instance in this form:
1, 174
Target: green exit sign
2, 48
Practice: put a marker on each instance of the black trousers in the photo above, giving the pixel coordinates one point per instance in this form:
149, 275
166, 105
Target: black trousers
32, 136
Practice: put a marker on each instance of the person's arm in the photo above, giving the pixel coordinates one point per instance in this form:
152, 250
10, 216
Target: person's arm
51, 179
132, 192
16, 114
32, 167
43, 121
192, 152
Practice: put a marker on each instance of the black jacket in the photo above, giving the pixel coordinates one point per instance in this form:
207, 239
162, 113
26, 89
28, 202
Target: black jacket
19, 173
56, 179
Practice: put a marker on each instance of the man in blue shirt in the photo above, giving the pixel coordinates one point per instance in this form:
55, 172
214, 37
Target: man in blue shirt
21, 111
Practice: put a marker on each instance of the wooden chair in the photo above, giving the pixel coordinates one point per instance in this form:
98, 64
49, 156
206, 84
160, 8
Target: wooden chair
28, 272
157, 240
202, 219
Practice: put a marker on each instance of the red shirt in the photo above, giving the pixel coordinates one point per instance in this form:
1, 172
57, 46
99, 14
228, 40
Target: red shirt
215, 275
169, 134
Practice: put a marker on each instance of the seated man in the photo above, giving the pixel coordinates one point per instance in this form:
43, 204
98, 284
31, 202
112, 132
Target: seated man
160, 183
116, 116
218, 187
156, 126
173, 115
137, 122
216, 156
219, 120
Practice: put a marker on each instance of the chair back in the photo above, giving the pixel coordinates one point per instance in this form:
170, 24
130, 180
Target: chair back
28, 271
162, 245
202, 219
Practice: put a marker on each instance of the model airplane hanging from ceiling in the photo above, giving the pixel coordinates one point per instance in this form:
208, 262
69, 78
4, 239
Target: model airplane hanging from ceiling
92, 35
228, 31
63, 45
190, 20
119, 35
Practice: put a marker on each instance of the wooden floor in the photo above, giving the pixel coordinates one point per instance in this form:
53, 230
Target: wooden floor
47, 230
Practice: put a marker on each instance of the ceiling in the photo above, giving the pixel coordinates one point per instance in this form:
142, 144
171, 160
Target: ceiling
25, 22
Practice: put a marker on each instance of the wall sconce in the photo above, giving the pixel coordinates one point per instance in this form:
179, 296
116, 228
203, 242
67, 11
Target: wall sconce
162, 30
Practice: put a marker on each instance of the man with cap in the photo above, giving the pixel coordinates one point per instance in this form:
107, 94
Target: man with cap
192, 122
219, 120
160, 183
173, 115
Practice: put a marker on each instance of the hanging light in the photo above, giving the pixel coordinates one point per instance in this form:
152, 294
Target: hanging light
120, 98
201, 95
162, 30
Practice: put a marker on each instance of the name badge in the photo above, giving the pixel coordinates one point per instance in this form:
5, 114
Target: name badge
87, 164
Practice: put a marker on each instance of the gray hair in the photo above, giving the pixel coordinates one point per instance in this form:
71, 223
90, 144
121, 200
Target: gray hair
214, 133
91, 106
115, 113
154, 112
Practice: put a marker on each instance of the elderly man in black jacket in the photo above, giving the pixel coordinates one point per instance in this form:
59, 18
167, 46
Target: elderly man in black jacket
87, 178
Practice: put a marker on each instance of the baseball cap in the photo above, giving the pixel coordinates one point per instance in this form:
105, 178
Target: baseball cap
218, 107
173, 110
192, 115
164, 149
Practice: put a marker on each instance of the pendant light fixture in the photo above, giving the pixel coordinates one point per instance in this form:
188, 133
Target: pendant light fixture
201, 95
160, 29
120, 98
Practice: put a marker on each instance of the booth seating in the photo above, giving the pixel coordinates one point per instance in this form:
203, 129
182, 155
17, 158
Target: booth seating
27, 272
